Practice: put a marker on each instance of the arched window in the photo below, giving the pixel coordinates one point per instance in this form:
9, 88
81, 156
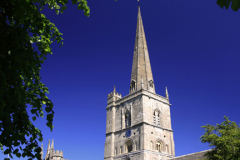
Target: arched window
128, 146
159, 146
115, 151
128, 119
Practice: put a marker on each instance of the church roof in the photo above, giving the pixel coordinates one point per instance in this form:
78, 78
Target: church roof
141, 77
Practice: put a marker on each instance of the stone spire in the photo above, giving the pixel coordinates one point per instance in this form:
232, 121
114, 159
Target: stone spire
141, 68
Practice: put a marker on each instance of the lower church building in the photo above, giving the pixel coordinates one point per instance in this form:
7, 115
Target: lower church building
138, 126
51, 153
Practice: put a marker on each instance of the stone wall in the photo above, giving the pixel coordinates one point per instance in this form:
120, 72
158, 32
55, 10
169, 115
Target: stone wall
193, 156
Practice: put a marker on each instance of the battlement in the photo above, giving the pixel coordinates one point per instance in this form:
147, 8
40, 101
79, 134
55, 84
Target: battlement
57, 153
114, 96
51, 153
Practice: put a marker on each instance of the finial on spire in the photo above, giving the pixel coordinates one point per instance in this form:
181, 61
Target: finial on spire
167, 96
114, 89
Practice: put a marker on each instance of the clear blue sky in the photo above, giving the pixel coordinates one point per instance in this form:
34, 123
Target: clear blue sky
194, 51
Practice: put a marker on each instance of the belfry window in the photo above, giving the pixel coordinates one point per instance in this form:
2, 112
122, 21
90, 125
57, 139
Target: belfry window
128, 119
156, 118
159, 146
133, 85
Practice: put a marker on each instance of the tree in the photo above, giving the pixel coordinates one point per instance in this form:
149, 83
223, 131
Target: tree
235, 4
23, 27
225, 138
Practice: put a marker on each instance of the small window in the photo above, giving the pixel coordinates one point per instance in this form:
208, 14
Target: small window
115, 151
132, 86
151, 83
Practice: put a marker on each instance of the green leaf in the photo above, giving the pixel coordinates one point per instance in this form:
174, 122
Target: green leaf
7, 151
34, 118
18, 155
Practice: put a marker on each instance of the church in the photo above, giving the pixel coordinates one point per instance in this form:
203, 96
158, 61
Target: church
138, 126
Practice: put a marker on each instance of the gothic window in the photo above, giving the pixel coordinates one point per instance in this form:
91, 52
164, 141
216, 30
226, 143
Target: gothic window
115, 151
159, 146
128, 119
128, 146
158, 123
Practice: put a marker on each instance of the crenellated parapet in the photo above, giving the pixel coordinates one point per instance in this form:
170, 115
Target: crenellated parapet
52, 154
113, 96
58, 154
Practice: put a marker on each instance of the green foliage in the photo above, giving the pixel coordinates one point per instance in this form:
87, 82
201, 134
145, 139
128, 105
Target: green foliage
225, 140
235, 4
22, 27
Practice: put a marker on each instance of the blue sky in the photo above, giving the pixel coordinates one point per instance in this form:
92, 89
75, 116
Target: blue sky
194, 51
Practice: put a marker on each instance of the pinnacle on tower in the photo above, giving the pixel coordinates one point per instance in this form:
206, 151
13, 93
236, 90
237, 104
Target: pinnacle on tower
141, 67
52, 146
48, 145
114, 89
167, 96
41, 151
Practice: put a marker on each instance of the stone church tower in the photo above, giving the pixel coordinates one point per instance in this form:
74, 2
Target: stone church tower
138, 125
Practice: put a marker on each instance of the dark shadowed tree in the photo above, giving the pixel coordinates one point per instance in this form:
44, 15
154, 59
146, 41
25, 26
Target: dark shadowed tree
23, 26
225, 140
235, 4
